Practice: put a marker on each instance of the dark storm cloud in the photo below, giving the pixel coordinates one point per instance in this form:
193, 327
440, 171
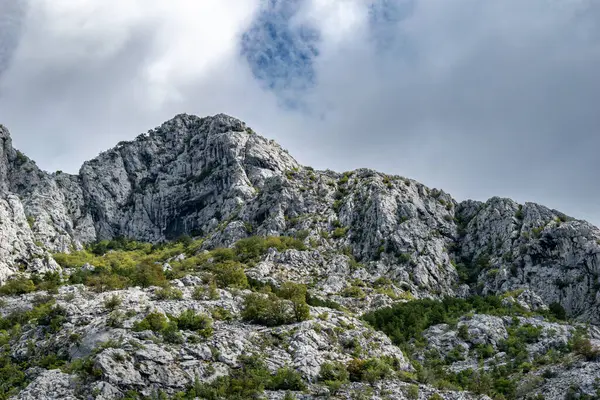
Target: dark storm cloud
478, 98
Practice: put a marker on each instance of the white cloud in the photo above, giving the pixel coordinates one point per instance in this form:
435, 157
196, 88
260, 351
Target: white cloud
477, 97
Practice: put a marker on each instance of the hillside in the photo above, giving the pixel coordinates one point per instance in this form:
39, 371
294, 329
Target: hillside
170, 260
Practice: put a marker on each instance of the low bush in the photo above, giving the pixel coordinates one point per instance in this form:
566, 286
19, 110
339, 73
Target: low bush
246, 382
267, 309
333, 375
19, 284
230, 274
370, 370
168, 293
199, 323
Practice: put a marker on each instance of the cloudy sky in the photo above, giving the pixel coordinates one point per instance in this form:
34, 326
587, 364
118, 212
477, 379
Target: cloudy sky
480, 98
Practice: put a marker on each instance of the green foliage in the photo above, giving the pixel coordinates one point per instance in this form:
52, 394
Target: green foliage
169, 293
302, 234
156, 322
210, 292
230, 274
21, 158
17, 285
296, 293
222, 314
149, 274
339, 232
582, 346
468, 271
12, 377
251, 249
317, 302
333, 375
485, 351
50, 281
112, 302
370, 370
286, 379
382, 282
463, 332
519, 213
118, 244
122, 262
200, 323
413, 392
404, 258
353, 291
170, 327
266, 309
537, 232
558, 311
405, 321
247, 382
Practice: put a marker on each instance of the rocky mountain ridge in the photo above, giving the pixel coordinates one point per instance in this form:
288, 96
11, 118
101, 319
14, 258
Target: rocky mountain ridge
358, 242
214, 177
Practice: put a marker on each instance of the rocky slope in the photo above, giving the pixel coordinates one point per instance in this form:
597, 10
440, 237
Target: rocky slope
373, 240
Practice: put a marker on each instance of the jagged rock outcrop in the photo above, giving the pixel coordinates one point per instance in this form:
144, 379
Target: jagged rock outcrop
532, 247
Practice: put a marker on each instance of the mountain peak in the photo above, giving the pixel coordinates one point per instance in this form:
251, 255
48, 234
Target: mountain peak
216, 124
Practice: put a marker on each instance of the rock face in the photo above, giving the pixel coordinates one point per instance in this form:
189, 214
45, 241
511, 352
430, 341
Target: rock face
372, 239
214, 177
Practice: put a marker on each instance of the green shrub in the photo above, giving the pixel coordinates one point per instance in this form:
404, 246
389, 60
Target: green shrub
302, 234
583, 346
252, 248
115, 319
286, 379
353, 291
211, 292
17, 285
230, 274
382, 281
463, 332
50, 281
246, 382
222, 255
339, 233
413, 392
317, 302
266, 309
48, 315
222, 314
169, 293
149, 274
558, 311
485, 351
200, 323
171, 333
112, 302
369, 370
296, 293
101, 282
404, 322
333, 375
156, 322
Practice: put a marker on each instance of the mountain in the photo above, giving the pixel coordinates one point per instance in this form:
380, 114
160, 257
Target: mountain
368, 241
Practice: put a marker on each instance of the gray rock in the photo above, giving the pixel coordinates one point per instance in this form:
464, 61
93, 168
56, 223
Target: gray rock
49, 385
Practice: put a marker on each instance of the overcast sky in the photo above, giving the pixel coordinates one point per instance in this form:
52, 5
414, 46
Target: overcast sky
479, 98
